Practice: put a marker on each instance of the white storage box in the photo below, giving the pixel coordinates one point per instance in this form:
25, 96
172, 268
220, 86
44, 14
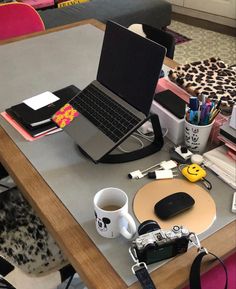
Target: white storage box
174, 125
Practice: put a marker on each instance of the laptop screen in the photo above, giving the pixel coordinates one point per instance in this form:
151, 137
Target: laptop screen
130, 66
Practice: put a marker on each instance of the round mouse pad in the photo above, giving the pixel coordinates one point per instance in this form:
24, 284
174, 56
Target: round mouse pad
196, 219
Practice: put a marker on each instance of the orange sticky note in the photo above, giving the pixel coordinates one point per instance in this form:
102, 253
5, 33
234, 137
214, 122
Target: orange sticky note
65, 115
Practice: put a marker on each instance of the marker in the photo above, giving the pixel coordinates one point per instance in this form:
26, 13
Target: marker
204, 111
214, 115
193, 103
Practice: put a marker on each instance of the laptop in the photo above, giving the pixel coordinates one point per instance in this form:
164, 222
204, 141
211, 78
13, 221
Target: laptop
114, 105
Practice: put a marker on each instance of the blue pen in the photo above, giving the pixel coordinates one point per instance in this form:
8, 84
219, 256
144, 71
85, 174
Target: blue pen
193, 103
207, 114
203, 113
203, 107
193, 116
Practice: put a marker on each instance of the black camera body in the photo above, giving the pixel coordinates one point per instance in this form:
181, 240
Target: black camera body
155, 244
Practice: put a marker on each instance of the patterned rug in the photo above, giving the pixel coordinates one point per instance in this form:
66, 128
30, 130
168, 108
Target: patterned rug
204, 44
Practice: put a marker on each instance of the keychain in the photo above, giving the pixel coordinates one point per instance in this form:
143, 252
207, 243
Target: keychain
195, 173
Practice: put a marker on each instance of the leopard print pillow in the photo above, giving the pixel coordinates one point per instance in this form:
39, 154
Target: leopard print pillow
24, 240
210, 77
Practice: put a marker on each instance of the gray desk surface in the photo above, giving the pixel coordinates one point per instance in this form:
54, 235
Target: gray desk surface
50, 62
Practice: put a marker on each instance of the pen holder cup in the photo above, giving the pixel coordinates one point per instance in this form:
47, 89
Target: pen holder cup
196, 136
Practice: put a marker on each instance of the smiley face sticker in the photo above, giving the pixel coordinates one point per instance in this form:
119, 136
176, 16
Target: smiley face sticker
193, 172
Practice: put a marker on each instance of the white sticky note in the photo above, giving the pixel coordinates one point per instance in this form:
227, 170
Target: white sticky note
41, 100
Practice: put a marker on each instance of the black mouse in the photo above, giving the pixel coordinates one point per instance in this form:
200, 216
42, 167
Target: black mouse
173, 204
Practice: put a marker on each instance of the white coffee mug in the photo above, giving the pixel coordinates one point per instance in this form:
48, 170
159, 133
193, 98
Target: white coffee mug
111, 213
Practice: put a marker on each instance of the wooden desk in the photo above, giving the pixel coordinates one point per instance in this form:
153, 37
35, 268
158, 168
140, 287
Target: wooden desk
83, 254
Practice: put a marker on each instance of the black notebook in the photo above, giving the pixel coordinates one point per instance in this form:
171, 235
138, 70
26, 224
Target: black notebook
172, 102
33, 118
37, 122
228, 132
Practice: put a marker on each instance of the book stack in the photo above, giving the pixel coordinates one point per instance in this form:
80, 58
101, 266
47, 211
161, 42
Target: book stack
34, 114
227, 135
223, 165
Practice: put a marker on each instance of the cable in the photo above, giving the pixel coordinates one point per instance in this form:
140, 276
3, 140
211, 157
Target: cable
138, 134
4, 284
147, 137
5, 187
8, 189
127, 151
166, 131
69, 281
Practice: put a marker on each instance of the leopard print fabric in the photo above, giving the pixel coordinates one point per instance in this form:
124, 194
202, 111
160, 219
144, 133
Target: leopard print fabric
211, 77
24, 241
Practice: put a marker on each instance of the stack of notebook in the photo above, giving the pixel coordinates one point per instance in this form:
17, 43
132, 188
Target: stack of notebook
34, 114
222, 164
227, 135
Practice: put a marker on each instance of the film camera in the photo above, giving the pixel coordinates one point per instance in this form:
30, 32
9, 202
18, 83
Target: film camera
155, 244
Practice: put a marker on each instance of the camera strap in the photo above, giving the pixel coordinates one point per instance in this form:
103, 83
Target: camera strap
142, 274
140, 270
195, 277
195, 272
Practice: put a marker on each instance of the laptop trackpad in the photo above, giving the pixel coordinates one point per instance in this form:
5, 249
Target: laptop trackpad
89, 137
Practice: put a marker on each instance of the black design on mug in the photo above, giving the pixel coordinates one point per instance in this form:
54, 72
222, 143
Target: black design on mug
195, 130
102, 223
195, 138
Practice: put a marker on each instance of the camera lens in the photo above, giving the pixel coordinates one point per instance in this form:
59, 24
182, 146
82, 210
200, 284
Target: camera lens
148, 226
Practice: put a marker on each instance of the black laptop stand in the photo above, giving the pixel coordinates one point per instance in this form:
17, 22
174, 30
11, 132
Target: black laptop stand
154, 147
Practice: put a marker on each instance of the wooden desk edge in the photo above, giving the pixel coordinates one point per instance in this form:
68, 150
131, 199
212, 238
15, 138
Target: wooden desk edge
83, 254
80, 250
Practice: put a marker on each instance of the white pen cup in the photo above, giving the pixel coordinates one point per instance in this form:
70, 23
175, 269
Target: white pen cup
111, 214
196, 136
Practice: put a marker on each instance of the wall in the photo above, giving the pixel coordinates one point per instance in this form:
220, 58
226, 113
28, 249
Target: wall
219, 11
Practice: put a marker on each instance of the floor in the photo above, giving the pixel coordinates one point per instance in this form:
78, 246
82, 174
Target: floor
196, 22
205, 43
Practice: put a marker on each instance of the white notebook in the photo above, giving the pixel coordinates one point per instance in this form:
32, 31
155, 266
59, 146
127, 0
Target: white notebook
222, 164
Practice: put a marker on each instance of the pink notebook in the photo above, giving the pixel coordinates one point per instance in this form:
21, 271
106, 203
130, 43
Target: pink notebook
25, 134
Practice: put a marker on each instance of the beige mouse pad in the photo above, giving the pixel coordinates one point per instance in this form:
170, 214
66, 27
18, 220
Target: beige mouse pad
197, 219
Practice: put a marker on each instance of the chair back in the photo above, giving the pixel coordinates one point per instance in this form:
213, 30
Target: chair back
160, 36
19, 19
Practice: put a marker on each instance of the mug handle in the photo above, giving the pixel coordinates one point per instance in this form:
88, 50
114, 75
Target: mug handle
131, 225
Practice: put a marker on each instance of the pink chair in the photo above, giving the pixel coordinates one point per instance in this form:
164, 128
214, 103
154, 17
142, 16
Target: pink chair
19, 19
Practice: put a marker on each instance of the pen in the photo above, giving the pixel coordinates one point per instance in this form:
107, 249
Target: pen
212, 107
188, 116
203, 98
218, 104
214, 114
203, 113
207, 117
193, 103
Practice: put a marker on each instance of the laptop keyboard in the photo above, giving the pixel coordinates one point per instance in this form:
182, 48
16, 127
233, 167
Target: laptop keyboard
109, 116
